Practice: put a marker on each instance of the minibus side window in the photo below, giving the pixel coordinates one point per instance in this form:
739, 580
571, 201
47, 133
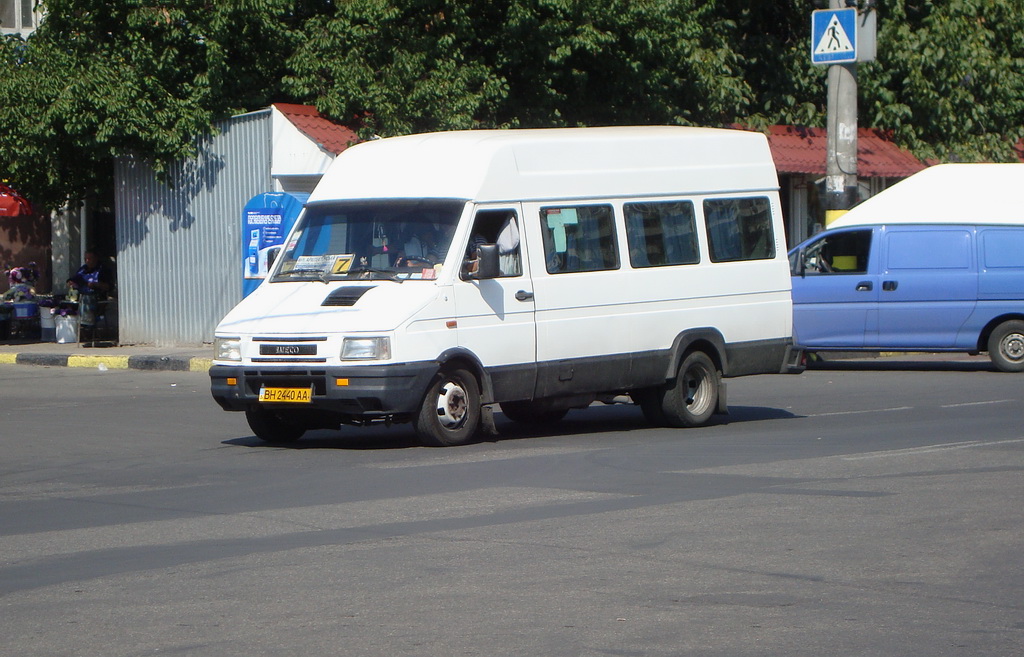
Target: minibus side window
661, 233
501, 228
579, 238
739, 229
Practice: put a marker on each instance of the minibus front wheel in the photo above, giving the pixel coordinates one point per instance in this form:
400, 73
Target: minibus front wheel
450, 412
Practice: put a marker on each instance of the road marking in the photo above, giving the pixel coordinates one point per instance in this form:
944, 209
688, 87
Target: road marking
927, 449
873, 410
980, 403
907, 408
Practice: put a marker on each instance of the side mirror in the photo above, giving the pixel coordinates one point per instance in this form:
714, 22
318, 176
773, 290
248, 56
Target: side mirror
272, 256
488, 262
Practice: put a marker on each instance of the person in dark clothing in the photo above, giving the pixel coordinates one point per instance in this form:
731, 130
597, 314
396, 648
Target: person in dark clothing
91, 277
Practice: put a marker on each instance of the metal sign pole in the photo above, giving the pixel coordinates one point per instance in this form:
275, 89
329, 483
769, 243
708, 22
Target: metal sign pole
841, 157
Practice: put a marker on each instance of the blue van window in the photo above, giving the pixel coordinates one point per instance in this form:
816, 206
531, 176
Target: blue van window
845, 252
1003, 247
929, 249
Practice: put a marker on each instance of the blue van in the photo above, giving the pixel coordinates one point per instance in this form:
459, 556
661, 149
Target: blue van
888, 279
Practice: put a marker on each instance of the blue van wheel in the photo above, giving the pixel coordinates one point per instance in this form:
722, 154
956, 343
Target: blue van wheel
1006, 346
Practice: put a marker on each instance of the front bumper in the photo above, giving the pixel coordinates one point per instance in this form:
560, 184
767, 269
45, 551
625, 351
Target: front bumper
366, 392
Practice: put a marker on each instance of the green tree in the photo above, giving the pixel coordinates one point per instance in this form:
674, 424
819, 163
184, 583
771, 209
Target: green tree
773, 41
100, 79
105, 78
443, 64
397, 67
949, 80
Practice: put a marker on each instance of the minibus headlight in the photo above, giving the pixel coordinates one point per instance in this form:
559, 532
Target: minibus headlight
227, 349
366, 349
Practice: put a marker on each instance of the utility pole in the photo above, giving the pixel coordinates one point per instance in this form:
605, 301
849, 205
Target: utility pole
841, 158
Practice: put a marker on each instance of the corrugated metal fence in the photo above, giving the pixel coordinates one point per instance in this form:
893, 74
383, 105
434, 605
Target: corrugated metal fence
179, 247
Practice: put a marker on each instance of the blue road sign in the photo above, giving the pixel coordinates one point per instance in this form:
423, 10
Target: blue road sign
834, 36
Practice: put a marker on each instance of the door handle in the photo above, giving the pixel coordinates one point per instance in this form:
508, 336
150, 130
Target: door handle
889, 286
523, 295
864, 286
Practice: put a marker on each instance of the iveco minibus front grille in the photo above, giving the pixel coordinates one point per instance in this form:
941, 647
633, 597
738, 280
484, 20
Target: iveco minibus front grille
292, 349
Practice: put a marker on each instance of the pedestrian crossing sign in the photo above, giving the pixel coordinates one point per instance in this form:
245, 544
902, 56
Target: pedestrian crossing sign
834, 36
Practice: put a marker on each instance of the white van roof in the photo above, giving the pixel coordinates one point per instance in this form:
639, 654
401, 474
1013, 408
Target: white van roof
946, 194
553, 163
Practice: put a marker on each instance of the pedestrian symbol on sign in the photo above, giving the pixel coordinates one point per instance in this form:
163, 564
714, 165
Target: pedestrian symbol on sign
833, 35
834, 40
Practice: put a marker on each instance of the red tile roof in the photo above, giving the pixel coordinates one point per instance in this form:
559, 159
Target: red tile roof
802, 150
329, 135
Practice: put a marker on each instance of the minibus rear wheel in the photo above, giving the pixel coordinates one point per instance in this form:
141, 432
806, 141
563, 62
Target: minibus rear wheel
1006, 346
693, 396
272, 427
450, 412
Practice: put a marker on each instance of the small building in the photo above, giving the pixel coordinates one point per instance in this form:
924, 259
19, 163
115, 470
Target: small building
19, 17
800, 156
179, 248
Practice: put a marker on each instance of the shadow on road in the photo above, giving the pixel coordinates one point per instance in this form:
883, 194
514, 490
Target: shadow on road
908, 364
594, 420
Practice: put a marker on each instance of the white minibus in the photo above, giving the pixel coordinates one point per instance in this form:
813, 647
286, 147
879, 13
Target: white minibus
433, 277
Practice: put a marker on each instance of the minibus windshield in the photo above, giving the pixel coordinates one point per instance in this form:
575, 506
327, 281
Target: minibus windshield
377, 239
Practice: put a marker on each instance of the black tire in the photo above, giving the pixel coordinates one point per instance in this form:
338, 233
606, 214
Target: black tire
273, 427
692, 398
450, 412
534, 413
1006, 346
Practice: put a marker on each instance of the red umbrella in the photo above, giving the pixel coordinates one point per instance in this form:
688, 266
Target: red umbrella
13, 204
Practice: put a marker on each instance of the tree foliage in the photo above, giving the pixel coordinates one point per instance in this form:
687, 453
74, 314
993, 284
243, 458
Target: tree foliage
949, 80
99, 79
444, 64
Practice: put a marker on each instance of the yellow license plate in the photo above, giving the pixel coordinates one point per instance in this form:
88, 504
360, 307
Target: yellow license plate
287, 395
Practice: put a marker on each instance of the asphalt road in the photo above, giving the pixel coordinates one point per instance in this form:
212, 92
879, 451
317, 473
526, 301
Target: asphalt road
866, 509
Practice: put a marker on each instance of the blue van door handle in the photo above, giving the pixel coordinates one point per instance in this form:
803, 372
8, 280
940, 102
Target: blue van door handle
523, 295
889, 286
864, 286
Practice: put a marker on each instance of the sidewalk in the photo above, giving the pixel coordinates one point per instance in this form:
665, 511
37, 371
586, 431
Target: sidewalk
196, 358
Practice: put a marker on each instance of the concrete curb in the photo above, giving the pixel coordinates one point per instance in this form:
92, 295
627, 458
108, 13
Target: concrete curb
113, 362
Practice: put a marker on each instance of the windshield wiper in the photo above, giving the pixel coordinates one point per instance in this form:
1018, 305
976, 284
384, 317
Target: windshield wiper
366, 269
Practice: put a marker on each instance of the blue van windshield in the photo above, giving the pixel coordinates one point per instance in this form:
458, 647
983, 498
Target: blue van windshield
397, 239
